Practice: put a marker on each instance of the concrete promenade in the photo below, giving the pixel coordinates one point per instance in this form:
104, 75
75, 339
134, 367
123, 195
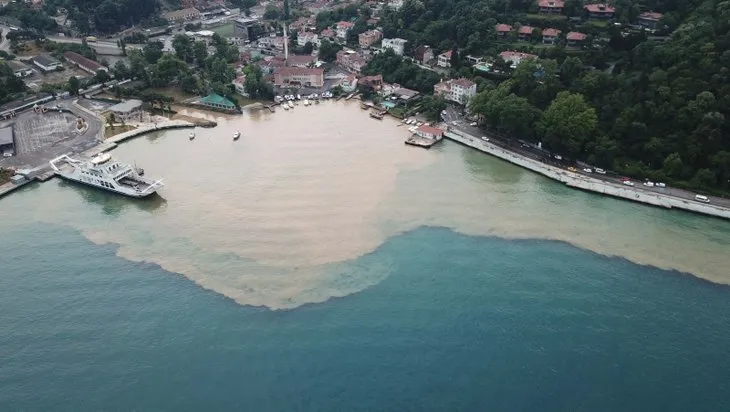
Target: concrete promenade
581, 181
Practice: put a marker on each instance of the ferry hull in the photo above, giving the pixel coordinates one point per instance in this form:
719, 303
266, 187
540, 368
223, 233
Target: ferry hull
135, 195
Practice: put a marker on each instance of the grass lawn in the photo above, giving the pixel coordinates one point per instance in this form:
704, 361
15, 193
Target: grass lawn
547, 17
225, 30
174, 92
598, 23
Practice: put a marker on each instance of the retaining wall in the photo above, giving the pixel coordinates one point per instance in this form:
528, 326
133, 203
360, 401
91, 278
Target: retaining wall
580, 181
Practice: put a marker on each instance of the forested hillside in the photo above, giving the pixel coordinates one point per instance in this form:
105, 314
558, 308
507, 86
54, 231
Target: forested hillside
643, 107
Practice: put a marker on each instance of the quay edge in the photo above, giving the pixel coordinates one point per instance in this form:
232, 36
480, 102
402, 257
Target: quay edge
589, 184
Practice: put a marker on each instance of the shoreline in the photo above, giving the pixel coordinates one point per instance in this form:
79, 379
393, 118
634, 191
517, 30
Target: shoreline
586, 183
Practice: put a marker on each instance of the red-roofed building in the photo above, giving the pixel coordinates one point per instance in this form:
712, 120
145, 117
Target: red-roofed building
503, 30
350, 61
550, 36
525, 32
300, 76
551, 6
327, 34
575, 39
515, 58
650, 19
84, 63
430, 132
444, 59
366, 39
456, 90
305, 60
599, 11
342, 28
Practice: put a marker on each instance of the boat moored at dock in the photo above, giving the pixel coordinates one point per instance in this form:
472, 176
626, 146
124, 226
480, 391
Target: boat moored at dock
103, 172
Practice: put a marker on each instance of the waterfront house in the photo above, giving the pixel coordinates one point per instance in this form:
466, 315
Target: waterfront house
525, 33
348, 83
550, 36
423, 54
551, 6
46, 63
575, 39
239, 83
514, 58
372, 82
128, 110
216, 101
369, 37
182, 15
397, 45
342, 28
430, 132
396, 92
298, 76
503, 30
456, 90
444, 59
599, 11
650, 19
19, 69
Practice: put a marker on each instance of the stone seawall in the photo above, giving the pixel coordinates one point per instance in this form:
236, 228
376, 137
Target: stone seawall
580, 181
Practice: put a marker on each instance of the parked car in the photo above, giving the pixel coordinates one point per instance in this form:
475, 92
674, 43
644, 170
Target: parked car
600, 171
702, 198
572, 169
485, 138
473, 124
628, 182
660, 184
558, 157
588, 170
649, 184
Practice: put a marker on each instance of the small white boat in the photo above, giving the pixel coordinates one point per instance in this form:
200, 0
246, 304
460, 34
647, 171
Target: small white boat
291, 105
285, 106
306, 102
192, 136
236, 135
299, 97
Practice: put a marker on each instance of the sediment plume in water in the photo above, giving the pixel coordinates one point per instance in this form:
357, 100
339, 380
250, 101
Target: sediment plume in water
279, 217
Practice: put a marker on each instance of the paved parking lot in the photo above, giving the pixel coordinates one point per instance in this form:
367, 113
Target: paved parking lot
40, 130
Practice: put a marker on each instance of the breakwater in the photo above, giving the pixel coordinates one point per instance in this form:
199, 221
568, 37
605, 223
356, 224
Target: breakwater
583, 182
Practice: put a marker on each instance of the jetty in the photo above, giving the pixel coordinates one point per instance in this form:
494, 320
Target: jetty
669, 199
378, 114
424, 142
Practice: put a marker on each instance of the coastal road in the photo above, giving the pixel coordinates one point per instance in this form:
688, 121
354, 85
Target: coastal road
456, 120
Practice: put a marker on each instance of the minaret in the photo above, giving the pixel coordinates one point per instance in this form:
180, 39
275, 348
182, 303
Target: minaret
286, 44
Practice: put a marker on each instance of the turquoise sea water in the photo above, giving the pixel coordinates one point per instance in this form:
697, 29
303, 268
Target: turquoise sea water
460, 324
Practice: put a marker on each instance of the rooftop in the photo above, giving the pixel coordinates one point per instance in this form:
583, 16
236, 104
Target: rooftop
526, 30
301, 59
651, 15
503, 28
446, 54
299, 71
511, 55
345, 24
6, 136
45, 60
465, 83
430, 130
82, 61
172, 15
551, 32
558, 4
599, 8
16, 65
126, 106
575, 36
217, 100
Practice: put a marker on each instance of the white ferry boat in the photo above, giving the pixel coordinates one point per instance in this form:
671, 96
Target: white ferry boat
106, 173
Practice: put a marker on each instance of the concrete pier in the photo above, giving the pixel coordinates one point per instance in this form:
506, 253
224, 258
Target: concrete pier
583, 182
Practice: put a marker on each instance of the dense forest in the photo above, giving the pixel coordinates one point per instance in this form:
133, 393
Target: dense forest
643, 107
9, 84
88, 16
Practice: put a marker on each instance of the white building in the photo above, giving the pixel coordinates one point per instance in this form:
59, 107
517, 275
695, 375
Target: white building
444, 59
128, 110
239, 83
398, 45
305, 37
456, 90
515, 58
342, 28
47, 63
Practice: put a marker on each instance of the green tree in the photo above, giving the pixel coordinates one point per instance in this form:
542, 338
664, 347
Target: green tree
183, 47
567, 124
120, 70
328, 51
200, 51
308, 48
73, 85
153, 51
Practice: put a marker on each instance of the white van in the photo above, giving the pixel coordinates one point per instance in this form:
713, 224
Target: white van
702, 198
